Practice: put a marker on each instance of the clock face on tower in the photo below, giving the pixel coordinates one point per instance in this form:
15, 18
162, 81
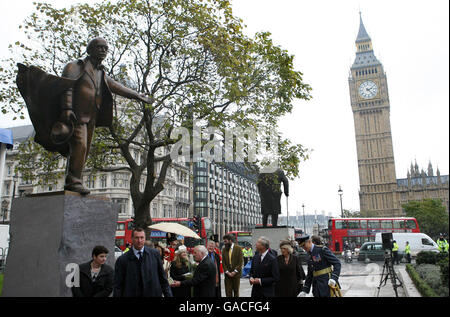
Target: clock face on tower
368, 89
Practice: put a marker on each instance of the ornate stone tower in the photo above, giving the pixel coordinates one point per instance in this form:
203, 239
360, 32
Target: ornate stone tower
371, 111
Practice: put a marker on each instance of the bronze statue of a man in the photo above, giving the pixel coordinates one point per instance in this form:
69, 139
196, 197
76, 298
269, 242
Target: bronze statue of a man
66, 110
269, 187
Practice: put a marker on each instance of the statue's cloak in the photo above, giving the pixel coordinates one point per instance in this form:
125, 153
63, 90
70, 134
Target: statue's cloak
42, 93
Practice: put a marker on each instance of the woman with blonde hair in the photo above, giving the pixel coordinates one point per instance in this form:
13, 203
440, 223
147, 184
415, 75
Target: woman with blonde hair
180, 270
291, 271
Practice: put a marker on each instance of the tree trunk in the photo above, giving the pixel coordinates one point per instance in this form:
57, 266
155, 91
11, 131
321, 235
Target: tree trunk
142, 218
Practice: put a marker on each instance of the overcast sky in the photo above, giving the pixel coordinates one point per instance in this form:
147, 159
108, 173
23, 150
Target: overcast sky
409, 37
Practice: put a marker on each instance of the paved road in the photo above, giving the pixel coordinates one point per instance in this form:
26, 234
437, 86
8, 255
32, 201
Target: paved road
357, 280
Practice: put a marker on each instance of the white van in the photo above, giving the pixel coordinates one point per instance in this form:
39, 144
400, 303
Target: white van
417, 241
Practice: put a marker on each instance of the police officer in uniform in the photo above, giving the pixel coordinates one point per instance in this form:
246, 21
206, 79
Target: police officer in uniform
395, 253
442, 243
323, 269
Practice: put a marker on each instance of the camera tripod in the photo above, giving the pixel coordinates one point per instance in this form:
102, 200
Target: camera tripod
389, 272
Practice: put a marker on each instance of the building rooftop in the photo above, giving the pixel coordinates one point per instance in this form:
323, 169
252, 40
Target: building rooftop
362, 34
418, 181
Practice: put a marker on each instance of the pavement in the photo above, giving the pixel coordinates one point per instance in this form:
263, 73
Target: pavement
358, 279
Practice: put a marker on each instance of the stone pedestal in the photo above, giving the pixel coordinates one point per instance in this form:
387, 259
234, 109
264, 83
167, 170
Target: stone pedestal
275, 235
51, 232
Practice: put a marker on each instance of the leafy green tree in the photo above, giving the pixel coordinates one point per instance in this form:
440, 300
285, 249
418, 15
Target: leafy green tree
190, 56
430, 214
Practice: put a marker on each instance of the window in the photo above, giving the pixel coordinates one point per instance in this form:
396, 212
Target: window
425, 241
120, 226
399, 224
377, 247
89, 181
123, 203
411, 224
120, 242
7, 189
339, 224
103, 181
363, 224
120, 180
353, 224
386, 224
374, 224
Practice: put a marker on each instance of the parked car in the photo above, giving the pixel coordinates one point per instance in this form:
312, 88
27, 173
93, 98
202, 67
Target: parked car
117, 252
371, 250
417, 241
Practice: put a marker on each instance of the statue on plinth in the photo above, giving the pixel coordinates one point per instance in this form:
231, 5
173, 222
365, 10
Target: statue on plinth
269, 187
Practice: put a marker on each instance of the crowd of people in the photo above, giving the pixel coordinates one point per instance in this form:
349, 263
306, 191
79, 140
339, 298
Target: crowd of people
148, 270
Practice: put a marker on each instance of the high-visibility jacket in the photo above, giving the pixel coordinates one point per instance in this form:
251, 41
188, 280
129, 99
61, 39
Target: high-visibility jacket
443, 245
250, 253
408, 249
126, 250
395, 247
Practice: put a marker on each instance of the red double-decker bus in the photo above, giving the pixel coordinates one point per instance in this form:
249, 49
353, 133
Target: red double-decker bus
125, 227
242, 238
360, 230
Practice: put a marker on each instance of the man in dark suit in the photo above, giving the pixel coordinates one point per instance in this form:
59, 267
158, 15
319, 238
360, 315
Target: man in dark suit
140, 272
264, 272
232, 261
216, 260
204, 279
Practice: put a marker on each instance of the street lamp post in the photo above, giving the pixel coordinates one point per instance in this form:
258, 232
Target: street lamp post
219, 212
304, 222
15, 178
340, 192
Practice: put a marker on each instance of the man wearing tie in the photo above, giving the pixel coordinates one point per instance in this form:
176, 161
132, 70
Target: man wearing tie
204, 279
232, 261
215, 258
264, 272
140, 272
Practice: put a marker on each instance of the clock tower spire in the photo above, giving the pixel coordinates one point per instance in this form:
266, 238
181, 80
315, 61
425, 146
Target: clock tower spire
371, 112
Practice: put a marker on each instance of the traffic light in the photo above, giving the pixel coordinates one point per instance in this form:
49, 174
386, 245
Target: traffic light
133, 223
197, 224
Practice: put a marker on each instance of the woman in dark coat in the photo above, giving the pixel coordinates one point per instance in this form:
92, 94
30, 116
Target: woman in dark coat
179, 271
96, 277
291, 272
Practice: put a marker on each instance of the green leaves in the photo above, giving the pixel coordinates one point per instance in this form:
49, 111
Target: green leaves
430, 214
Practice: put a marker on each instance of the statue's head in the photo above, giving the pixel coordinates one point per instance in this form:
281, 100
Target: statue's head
97, 48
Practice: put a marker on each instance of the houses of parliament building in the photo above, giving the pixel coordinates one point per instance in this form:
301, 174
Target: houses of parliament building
381, 193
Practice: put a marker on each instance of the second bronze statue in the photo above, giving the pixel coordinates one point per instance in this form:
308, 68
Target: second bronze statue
66, 110
269, 187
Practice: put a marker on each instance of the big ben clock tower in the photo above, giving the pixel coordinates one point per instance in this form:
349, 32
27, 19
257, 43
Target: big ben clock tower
371, 112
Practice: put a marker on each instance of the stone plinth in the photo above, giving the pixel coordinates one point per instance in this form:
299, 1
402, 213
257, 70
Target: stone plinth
275, 236
48, 233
